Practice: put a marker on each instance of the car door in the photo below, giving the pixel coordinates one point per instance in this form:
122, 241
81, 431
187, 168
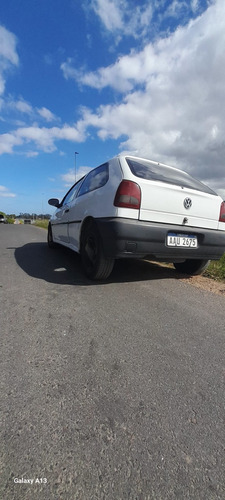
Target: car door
74, 217
60, 226
86, 202
61, 219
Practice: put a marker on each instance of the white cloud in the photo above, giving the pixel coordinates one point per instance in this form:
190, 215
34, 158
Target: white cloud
175, 8
69, 177
8, 142
23, 107
44, 138
5, 193
173, 104
46, 114
8, 54
158, 62
121, 76
9, 104
123, 17
110, 12
195, 5
68, 70
32, 154
8, 46
20, 105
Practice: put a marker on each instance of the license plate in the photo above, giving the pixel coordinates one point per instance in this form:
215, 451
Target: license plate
182, 240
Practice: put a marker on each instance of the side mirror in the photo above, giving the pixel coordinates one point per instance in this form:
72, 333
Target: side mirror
54, 202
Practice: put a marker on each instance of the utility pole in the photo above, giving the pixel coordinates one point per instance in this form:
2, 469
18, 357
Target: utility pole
76, 153
42, 204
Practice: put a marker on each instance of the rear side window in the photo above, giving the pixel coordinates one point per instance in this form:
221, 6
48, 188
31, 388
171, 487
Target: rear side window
151, 172
95, 179
72, 192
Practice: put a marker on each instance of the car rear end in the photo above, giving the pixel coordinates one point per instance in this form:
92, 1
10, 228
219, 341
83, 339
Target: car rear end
164, 213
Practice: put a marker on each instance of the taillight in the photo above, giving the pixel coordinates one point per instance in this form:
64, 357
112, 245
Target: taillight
222, 212
128, 195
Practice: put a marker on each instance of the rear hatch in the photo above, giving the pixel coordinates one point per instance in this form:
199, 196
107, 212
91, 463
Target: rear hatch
171, 196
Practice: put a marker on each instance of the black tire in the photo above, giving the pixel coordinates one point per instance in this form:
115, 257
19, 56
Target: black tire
192, 266
96, 266
51, 243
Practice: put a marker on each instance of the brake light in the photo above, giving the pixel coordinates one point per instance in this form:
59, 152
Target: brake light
222, 212
128, 195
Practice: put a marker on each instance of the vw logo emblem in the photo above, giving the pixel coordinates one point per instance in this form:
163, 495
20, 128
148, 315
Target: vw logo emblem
187, 203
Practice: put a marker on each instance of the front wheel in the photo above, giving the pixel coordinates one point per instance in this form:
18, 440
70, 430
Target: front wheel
96, 265
191, 266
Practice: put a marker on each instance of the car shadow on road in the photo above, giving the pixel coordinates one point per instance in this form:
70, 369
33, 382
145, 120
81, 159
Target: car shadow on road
63, 267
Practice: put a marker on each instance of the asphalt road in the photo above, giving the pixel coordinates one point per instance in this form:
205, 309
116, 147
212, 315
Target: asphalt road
108, 391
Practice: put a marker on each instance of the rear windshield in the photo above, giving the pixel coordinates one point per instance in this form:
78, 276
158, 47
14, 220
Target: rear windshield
151, 172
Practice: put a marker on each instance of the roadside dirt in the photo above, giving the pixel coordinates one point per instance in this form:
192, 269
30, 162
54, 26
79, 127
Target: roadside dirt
205, 283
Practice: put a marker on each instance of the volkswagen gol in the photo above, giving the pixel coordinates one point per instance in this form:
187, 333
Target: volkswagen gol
132, 207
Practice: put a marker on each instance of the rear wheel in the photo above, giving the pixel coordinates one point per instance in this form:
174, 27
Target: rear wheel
96, 265
191, 266
51, 243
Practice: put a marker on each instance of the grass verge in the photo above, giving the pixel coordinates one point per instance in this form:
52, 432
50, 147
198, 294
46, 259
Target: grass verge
42, 223
216, 269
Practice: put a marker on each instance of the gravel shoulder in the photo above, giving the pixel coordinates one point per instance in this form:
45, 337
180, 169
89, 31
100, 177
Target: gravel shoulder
205, 283
201, 281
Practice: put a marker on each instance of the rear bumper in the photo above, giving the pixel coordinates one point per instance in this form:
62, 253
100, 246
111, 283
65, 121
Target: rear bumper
139, 239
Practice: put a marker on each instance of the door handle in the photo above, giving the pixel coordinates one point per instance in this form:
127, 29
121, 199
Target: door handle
67, 210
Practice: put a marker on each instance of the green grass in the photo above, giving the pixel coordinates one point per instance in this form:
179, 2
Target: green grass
42, 223
216, 269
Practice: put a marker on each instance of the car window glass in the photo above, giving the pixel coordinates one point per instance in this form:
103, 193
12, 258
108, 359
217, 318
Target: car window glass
72, 192
95, 179
149, 171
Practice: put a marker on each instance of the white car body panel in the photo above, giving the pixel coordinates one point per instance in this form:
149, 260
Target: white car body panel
165, 203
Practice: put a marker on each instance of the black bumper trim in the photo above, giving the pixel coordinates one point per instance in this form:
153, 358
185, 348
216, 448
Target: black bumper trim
140, 239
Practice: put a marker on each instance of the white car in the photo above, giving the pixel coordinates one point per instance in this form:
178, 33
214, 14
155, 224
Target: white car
131, 207
3, 219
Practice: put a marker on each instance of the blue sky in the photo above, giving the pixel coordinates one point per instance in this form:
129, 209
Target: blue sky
104, 76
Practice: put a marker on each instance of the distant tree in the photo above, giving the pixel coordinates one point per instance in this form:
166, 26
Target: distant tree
10, 219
